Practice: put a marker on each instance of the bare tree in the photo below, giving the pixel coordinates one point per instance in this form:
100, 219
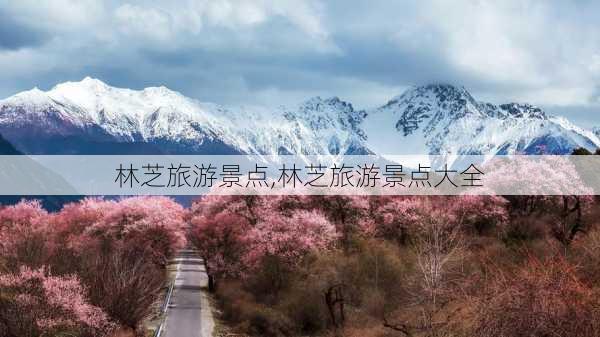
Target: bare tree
438, 247
544, 297
570, 221
125, 285
334, 297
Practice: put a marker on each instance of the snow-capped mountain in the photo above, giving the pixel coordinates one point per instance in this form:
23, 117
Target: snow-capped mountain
165, 121
443, 119
92, 117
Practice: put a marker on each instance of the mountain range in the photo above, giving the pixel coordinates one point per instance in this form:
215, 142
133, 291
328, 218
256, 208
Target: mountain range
91, 117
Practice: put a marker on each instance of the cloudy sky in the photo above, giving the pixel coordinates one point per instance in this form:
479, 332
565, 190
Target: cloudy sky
270, 52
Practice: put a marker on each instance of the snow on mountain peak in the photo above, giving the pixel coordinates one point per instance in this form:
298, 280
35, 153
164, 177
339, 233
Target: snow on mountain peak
328, 113
442, 118
426, 107
432, 119
317, 126
31, 96
523, 110
439, 93
93, 82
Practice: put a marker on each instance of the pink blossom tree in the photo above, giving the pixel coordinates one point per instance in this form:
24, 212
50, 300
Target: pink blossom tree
279, 243
346, 212
396, 215
120, 249
73, 244
235, 234
556, 190
249, 207
290, 237
24, 231
221, 240
155, 226
34, 303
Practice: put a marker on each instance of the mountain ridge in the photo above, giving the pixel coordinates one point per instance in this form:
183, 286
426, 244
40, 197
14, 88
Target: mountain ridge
85, 116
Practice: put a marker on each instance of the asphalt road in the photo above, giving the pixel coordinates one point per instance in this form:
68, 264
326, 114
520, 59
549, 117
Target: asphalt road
189, 313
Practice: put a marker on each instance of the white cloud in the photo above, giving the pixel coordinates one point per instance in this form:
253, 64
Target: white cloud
57, 15
149, 23
558, 96
540, 51
228, 14
492, 41
167, 19
543, 50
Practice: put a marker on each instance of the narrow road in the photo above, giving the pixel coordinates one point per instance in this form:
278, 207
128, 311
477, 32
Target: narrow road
189, 313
